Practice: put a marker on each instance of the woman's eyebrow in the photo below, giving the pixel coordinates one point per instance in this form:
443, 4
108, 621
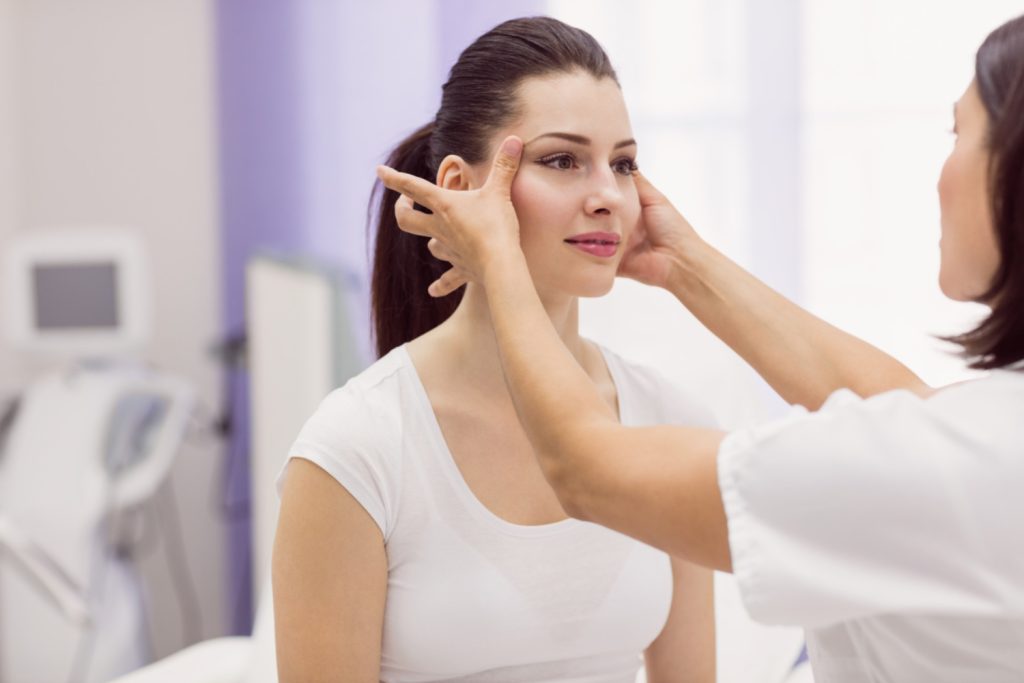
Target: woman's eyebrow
579, 139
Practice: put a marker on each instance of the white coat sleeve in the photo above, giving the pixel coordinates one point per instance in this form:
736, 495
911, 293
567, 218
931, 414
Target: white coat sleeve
890, 504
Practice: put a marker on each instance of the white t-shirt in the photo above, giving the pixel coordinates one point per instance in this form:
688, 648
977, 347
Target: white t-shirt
471, 596
892, 528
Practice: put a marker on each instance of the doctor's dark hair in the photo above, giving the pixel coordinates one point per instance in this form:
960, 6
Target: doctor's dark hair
999, 73
479, 98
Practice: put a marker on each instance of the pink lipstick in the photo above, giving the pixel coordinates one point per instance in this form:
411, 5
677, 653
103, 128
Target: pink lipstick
602, 244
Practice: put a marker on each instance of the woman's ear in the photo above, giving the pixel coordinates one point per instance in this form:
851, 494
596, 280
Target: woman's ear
454, 173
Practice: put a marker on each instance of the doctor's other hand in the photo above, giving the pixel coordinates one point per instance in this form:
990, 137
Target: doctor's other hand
471, 229
660, 240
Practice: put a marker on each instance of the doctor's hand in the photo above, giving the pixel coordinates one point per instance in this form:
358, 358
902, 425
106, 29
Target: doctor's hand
660, 239
471, 229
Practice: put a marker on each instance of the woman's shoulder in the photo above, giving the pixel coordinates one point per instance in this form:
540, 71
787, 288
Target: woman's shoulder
380, 382
980, 415
380, 377
356, 436
997, 397
653, 397
368, 407
1007, 381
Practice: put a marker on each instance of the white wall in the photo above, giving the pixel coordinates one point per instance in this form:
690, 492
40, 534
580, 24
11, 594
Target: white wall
880, 79
107, 117
9, 152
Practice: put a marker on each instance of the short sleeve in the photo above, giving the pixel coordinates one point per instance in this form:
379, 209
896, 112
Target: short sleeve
890, 504
349, 440
655, 399
683, 408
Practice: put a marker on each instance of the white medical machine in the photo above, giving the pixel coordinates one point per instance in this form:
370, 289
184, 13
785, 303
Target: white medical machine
83, 445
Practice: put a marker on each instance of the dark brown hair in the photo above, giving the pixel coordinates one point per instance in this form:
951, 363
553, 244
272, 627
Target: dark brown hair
999, 73
479, 98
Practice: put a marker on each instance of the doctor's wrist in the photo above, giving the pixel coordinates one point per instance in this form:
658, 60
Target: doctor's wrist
503, 266
689, 261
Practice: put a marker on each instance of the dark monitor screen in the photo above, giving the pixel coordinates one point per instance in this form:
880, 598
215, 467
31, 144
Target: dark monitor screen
72, 296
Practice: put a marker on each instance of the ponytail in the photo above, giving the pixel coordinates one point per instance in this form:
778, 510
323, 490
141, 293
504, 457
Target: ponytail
402, 267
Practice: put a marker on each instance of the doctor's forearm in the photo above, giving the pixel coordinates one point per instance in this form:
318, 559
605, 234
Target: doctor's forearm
800, 355
553, 396
656, 484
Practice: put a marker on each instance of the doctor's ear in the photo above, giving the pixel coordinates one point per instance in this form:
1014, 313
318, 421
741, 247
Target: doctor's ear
454, 174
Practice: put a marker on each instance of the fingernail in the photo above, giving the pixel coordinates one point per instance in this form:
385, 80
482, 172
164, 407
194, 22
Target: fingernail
512, 146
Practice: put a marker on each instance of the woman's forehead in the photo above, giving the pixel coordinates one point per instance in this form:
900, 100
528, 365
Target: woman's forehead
574, 103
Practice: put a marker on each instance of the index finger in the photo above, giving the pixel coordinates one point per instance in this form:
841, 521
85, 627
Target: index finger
423, 192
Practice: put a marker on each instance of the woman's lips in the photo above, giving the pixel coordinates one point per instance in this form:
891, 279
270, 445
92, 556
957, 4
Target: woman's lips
602, 244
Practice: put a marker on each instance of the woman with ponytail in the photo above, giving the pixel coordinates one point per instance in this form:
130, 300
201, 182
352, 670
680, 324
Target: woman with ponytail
418, 539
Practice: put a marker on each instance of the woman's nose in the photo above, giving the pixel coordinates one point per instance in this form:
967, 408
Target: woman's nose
604, 195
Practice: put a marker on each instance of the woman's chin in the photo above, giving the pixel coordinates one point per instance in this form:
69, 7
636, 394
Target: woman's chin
958, 285
590, 287
949, 290
595, 288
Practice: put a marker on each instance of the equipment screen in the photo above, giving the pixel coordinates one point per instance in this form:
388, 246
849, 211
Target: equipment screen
75, 295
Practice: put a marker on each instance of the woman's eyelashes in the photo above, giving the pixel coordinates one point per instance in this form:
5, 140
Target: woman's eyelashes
625, 166
562, 161
566, 161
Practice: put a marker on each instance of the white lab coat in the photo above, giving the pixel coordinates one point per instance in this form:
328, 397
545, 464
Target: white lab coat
891, 528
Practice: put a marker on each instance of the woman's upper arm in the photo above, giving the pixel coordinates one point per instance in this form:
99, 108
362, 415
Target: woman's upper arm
685, 649
329, 581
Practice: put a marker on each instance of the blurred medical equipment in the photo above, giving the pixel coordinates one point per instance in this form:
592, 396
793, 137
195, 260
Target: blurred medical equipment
90, 442
39, 566
301, 345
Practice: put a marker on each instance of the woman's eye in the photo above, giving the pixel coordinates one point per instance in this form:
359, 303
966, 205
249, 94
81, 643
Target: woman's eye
562, 162
624, 166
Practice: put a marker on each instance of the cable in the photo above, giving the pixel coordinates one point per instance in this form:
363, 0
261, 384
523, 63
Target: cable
7, 417
231, 499
236, 509
93, 593
191, 610
204, 426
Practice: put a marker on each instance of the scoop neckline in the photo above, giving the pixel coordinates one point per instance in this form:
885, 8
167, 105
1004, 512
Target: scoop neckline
451, 470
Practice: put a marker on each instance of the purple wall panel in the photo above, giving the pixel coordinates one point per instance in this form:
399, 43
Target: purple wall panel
260, 128
261, 183
459, 22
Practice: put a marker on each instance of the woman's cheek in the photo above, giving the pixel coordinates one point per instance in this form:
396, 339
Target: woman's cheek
520, 190
533, 198
945, 184
631, 212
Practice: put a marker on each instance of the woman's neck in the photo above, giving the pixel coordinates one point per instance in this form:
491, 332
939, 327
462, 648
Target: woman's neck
467, 337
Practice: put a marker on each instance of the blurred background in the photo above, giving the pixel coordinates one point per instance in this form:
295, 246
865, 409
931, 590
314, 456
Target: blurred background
202, 169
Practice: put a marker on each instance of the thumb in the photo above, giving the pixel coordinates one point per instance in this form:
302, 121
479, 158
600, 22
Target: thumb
647, 193
505, 165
